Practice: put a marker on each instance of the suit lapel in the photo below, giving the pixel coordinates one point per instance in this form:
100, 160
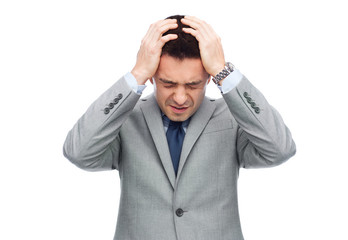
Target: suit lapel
197, 124
154, 121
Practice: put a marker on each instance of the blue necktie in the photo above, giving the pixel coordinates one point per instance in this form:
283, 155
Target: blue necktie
175, 138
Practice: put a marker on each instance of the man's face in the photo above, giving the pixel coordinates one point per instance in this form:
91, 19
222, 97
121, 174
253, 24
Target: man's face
180, 86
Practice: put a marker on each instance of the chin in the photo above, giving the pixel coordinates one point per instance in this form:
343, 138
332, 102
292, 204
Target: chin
177, 118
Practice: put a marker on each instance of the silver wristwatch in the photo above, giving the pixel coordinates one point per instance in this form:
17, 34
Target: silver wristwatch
229, 67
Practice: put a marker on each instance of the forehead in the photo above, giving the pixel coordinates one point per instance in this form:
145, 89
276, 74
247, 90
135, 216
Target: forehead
181, 71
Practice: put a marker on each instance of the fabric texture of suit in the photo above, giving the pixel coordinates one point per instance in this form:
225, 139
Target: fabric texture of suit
239, 130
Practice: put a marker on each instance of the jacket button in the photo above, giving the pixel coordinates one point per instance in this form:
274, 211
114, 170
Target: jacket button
245, 94
116, 100
257, 110
106, 110
111, 105
179, 212
120, 96
253, 104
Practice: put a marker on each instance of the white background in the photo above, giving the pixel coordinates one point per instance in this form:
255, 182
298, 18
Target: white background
56, 57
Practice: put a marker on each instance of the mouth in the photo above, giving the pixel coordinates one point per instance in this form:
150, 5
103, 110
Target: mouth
178, 109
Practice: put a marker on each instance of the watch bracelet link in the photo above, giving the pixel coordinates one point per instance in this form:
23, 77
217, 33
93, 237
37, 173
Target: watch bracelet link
224, 73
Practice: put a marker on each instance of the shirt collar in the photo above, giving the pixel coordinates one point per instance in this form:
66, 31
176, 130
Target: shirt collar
166, 121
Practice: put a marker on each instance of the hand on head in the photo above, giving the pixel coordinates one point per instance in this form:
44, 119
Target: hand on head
150, 51
151, 48
212, 54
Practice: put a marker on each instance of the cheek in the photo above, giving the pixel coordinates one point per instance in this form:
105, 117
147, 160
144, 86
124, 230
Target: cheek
162, 95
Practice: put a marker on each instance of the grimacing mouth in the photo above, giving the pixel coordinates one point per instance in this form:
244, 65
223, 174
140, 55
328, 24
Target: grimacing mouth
180, 108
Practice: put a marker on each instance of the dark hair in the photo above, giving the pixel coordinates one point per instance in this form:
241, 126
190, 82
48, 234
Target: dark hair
185, 46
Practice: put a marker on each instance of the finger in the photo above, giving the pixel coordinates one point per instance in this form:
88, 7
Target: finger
157, 31
197, 23
194, 33
191, 17
167, 27
165, 24
169, 21
203, 31
201, 35
193, 21
162, 25
166, 39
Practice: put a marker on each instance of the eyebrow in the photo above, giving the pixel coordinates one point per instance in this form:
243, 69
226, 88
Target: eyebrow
193, 83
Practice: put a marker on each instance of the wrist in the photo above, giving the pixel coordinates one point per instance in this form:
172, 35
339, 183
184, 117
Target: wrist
217, 70
141, 78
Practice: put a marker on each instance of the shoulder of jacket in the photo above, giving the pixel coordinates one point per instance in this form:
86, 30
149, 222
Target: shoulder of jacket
219, 102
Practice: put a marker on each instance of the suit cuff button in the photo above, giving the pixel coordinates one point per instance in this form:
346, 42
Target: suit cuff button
106, 110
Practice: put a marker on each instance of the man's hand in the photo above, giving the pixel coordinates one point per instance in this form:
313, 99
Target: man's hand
150, 50
210, 46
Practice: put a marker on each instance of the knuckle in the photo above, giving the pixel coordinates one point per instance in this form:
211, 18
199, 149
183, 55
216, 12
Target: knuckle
156, 24
159, 29
164, 39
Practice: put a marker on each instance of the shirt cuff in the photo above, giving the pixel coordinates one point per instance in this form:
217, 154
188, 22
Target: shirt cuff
231, 81
132, 83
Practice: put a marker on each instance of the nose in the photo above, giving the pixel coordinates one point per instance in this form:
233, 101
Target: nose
180, 95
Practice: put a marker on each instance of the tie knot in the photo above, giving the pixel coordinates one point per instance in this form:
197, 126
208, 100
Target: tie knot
168, 122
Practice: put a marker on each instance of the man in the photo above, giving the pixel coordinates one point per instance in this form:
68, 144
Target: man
169, 189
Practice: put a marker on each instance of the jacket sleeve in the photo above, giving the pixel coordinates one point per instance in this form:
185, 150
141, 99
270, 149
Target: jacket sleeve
263, 138
93, 143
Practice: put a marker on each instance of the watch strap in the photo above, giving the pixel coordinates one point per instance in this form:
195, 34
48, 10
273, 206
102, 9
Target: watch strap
224, 73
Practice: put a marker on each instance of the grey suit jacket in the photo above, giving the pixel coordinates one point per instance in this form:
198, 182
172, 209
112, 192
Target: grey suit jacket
239, 130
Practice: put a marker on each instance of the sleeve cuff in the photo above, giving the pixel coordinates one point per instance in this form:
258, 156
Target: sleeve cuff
231, 81
132, 83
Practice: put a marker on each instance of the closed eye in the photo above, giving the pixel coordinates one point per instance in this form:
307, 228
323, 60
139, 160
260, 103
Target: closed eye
193, 85
167, 83
190, 85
